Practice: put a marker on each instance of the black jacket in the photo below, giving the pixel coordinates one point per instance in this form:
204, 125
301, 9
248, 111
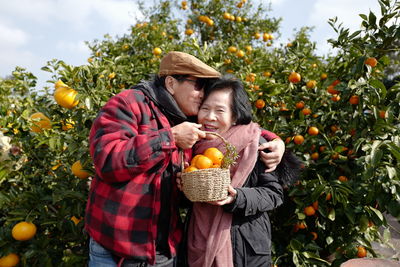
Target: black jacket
251, 228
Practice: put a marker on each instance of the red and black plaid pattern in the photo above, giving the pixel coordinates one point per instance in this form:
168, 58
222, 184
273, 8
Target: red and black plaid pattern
131, 145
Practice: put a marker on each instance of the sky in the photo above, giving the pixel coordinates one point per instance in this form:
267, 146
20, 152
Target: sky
33, 32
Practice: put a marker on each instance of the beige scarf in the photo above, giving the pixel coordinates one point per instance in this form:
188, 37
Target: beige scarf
209, 236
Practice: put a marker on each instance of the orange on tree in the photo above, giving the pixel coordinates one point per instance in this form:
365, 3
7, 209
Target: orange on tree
328, 197
78, 170
226, 16
335, 82
343, 178
260, 104
315, 205
301, 225
294, 77
361, 252
214, 154
298, 139
331, 89
313, 130
23, 231
309, 211
311, 84
157, 51
315, 155
257, 35
9, 260
354, 100
76, 220
240, 53
203, 162
40, 122
111, 75
306, 111
232, 49
371, 61
314, 235
323, 76
382, 114
267, 74
65, 96
189, 32
335, 98
300, 105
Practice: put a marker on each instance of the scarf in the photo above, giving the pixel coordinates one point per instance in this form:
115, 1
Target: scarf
209, 235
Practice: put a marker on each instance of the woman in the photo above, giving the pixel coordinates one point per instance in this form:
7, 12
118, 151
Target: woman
235, 231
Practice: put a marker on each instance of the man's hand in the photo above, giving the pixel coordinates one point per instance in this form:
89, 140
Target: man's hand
273, 158
187, 134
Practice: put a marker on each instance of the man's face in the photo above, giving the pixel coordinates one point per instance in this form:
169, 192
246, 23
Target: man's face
187, 94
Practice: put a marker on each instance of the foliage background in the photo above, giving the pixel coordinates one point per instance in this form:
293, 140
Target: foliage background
359, 141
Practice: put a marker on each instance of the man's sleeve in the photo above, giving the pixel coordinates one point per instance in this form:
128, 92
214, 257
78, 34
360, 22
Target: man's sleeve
269, 136
120, 147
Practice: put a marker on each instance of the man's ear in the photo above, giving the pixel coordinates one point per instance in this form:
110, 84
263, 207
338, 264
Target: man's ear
169, 84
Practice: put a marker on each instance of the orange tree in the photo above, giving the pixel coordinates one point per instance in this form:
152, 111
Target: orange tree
325, 219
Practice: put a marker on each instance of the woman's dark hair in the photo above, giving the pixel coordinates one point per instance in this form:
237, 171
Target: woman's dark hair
241, 107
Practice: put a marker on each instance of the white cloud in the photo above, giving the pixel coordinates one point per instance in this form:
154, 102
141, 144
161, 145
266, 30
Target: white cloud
73, 47
12, 36
346, 11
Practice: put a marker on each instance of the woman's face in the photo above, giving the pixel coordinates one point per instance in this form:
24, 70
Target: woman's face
215, 113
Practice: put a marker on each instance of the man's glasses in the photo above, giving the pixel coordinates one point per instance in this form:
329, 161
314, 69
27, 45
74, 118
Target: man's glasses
198, 84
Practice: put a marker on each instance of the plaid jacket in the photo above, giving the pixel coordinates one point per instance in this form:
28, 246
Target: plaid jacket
131, 144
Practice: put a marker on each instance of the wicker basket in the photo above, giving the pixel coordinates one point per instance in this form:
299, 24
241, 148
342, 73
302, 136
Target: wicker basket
206, 184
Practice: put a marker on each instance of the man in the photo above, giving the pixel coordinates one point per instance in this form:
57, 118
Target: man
132, 212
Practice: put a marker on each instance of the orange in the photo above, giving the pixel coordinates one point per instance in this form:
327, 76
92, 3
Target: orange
260, 104
157, 51
78, 171
311, 84
328, 197
306, 111
40, 122
267, 74
331, 89
10, 260
190, 169
300, 105
313, 130
354, 100
111, 75
214, 154
335, 156
314, 235
23, 231
203, 162
240, 53
75, 220
315, 155
226, 16
309, 211
194, 159
382, 114
343, 178
189, 32
232, 49
335, 98
334, 128
361, 252
371, 61
335, 82
322, 148
289, 45
66, 97
315, 205
298, 139
257, 35
294, 77
301, 225
324, 76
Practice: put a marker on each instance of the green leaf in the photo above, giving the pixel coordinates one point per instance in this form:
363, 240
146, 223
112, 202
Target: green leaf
329, 240
395, 150
332, 215
377, 212
378, 84
295, 245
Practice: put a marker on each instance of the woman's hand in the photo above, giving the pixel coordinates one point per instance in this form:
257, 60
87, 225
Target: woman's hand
232, 193
273, 158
